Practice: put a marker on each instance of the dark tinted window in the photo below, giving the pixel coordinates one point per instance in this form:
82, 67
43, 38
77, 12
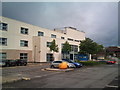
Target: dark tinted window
57, 61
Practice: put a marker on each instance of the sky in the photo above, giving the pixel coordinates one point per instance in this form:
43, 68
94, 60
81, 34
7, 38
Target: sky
99, 20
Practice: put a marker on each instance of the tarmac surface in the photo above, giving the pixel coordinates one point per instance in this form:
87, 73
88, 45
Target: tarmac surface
85, 77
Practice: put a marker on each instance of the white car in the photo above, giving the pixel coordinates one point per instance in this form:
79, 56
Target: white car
55, 64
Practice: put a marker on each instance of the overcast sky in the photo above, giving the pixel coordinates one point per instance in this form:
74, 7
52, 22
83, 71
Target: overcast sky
99, 20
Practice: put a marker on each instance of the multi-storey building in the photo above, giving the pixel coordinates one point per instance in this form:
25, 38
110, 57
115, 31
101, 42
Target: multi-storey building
19, 40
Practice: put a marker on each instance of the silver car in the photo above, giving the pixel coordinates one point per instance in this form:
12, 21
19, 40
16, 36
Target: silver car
55, 64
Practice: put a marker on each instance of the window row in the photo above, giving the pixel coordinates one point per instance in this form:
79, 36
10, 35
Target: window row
23, 43
73, 40
24, 30
23, 56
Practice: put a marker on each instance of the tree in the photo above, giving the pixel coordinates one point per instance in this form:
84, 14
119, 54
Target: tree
54, 47
66, 48
87, 46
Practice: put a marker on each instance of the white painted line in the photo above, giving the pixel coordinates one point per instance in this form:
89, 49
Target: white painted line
112, 86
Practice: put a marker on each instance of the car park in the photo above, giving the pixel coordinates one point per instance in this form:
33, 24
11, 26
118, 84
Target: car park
55, 64
78, 65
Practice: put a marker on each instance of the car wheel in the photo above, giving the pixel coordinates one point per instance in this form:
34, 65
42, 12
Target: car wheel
7, 65
52, 66
25, 64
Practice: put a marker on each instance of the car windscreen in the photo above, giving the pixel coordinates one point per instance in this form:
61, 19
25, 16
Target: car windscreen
57, 62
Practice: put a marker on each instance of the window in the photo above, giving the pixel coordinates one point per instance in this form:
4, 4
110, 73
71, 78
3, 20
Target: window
40, 33
3, 55
23, 56
3, 26
23, 43
48, 44
57, 61
62, 37
70, 39
53, 36
24, 30
77, 41
49, 57
3, 41
74, 48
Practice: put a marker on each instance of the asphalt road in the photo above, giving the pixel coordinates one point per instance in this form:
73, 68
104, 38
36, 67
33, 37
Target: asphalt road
90, 77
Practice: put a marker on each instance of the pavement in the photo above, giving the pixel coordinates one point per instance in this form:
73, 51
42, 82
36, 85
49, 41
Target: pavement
43, 67
90, 77
17, 77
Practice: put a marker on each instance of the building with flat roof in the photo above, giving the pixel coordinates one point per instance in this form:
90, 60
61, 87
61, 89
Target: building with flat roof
19, 40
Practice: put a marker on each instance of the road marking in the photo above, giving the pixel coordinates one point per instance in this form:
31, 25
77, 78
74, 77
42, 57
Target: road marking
25, 78
112, 86
38, 76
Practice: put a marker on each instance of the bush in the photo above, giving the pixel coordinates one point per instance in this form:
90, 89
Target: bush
90, 63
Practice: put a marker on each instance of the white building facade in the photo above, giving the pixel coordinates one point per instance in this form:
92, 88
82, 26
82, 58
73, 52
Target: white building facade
19, 40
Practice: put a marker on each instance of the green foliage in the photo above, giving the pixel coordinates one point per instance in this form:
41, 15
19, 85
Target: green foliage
66, 48
53, 47
89, 47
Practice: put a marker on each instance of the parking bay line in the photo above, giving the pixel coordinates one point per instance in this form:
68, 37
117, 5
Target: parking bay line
112, 86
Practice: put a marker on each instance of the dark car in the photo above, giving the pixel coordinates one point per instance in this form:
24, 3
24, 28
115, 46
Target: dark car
20, 62
7, 62
2, 63
78, 65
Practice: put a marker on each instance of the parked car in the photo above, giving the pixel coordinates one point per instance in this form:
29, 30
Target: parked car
111, 62
55, 64
11, 62
78, 65
2, 63
7, 62
104, 61
20, 62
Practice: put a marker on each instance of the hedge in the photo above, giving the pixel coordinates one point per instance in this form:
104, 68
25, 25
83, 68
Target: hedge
90, 63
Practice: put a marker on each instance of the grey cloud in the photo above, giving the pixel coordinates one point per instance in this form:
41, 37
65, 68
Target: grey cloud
98, 20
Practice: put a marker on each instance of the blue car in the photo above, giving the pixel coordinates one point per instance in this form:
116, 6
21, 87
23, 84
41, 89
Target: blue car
78, 65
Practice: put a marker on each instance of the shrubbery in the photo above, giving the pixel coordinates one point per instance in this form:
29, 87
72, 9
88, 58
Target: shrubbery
90, 63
